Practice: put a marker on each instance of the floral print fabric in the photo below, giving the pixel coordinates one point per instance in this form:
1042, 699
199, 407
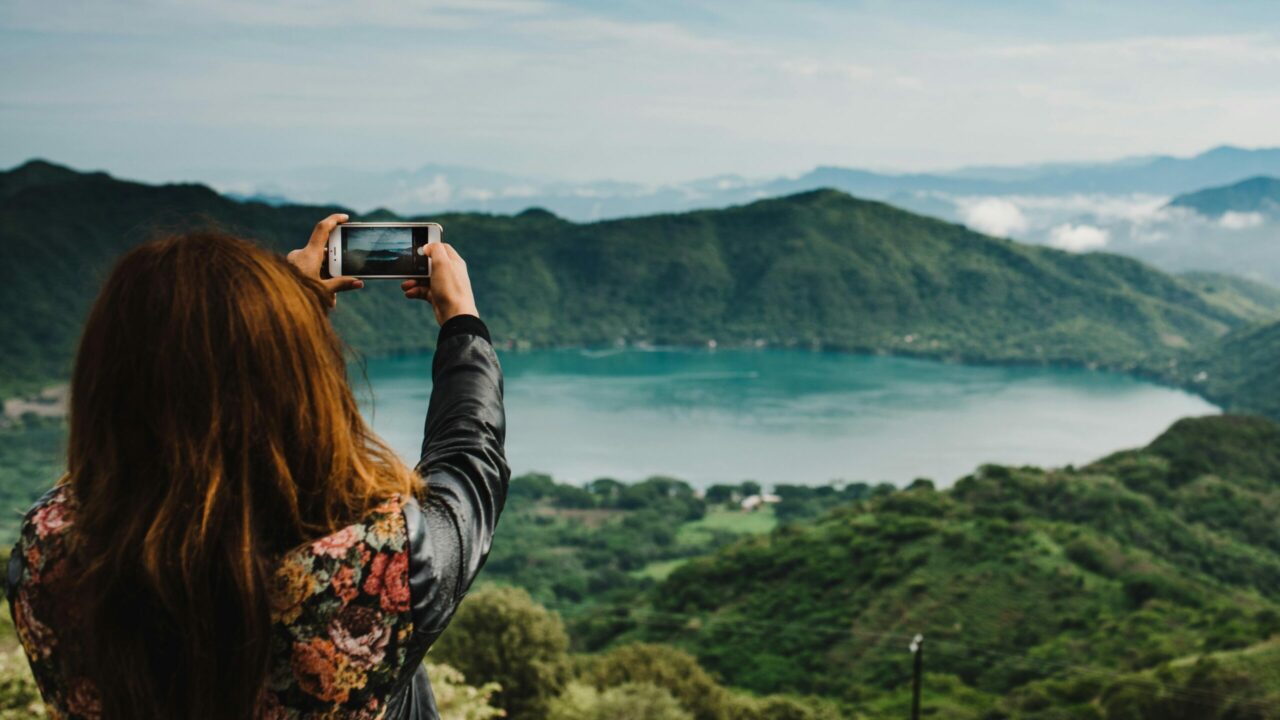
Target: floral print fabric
38, 608
339, 605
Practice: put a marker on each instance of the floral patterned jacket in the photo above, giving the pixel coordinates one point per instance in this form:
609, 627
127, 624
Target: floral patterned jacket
354, 612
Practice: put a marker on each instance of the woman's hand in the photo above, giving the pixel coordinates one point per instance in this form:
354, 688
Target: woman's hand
449, 289
311, 258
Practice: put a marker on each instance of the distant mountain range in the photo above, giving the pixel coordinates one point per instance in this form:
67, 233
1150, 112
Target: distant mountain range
436, 188
1121, 206
818, 269
1256, 195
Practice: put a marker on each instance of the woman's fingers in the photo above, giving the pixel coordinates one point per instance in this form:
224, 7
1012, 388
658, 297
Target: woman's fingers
415, 289
343, 284
320, 235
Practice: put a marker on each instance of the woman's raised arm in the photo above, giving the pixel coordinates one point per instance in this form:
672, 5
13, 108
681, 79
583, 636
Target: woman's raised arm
463, 460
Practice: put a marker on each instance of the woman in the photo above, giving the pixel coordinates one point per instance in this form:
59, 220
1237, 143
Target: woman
231, 540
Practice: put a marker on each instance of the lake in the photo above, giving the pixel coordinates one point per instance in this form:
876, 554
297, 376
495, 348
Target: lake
786, 415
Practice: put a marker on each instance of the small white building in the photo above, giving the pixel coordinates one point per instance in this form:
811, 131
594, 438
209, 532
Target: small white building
751, 503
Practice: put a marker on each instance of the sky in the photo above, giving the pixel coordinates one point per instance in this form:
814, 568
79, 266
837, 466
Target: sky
649, 91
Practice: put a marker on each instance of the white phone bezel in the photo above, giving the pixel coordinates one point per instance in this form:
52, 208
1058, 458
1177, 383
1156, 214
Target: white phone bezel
436, 232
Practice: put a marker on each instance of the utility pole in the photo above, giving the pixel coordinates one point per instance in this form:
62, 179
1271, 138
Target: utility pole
917, 673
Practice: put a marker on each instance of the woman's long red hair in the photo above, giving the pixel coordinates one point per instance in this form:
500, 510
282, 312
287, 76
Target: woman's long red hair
212, 429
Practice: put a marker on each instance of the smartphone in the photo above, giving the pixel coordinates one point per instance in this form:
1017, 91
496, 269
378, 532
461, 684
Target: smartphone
382, 249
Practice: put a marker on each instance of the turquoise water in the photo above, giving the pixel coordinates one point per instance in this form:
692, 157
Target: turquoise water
786, 416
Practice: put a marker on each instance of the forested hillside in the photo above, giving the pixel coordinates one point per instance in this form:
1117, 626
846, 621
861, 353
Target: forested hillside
818, 269
1247, 298
1145, 585
1038, 587
1240, 370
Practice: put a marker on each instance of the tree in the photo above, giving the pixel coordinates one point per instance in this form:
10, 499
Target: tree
921, 484
721, 494
501, 635
777, 707
629, 701
458, 701
674, 670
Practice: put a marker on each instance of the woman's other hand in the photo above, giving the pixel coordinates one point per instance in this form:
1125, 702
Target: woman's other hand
449, 289
311, 258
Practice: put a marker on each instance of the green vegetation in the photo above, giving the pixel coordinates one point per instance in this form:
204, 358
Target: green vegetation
818, 269
61, 231
583, 551
501, 635
630, 701
1017, 577
31, 460
19, 696
727, 520
456, 700
1144, 585
1146, 582
1239, 371
1249, 299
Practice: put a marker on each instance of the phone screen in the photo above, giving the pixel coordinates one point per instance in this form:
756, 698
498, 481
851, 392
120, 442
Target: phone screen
373, 251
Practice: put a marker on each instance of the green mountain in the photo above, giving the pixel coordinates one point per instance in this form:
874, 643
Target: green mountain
1258, 194
1238, 371
1257, 301
818, 269
1041, 587
61, 231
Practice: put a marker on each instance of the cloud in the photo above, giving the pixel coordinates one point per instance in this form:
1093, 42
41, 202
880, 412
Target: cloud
1233, 220
151, 18
1248, 48
480, 194
436, 192
807, 67
651, 93
1078, 238
1033, 217
992, 215
519, 191
1135, 208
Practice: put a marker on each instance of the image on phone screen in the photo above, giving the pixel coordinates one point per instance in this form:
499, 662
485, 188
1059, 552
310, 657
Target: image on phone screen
383, 250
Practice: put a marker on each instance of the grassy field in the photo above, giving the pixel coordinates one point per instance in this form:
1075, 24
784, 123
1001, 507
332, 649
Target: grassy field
698, 533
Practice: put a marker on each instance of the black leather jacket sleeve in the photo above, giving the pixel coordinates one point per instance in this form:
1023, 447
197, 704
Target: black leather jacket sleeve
463, 462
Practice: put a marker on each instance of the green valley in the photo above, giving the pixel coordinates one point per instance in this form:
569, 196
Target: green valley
1133, 587
1141, 584
1027, 584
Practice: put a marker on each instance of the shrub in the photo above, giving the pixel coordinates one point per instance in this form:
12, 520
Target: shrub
501, 635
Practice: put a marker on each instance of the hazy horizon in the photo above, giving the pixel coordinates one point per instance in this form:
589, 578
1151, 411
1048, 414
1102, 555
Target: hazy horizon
212, 178
641, 92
